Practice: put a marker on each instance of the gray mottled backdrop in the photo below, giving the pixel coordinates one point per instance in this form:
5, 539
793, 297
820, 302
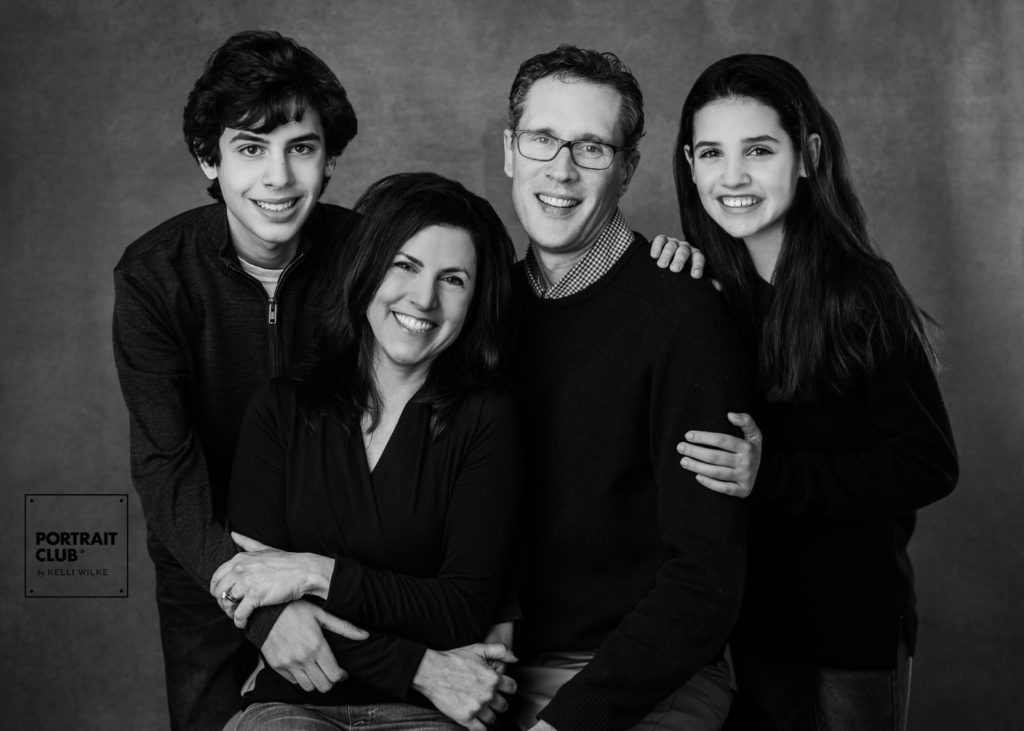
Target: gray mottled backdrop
929, 95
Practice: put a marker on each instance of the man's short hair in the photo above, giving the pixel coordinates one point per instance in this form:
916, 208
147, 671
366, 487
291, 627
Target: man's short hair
257, 81
570, 63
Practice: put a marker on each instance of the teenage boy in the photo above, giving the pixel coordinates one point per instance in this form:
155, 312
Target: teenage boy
208, 305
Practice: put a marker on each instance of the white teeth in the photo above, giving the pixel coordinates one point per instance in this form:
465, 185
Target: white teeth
557, 202
738, 201
276, 207
414, 324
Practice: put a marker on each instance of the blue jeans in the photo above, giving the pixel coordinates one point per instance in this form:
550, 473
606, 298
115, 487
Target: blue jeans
206, 658
379, 717
776, 695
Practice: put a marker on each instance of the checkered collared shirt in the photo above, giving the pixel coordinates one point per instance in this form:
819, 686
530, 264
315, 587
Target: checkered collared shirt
611, 244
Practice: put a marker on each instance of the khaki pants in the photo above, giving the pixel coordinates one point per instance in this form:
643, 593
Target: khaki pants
700, 705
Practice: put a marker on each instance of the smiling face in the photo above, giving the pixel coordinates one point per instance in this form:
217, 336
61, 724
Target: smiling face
745, 168
270, 183
420, 307
562, 206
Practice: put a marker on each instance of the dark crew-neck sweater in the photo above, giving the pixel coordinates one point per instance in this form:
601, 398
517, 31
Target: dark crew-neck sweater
629, 555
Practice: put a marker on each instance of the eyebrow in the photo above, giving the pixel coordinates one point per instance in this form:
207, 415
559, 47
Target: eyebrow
746, 141
245, 136
587, 137
447, 270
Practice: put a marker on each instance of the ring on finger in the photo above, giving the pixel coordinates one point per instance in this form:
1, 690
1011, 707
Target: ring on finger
226, 596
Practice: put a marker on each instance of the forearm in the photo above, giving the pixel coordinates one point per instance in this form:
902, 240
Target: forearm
168, 466
385, 662
900, 457
441, 612
174, 491
680, 626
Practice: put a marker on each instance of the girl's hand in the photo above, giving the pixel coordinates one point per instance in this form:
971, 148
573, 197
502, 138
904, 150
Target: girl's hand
673, 253
722, 462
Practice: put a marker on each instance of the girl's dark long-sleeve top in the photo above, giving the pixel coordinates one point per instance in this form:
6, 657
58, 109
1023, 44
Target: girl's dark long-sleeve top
829, 577
421, 545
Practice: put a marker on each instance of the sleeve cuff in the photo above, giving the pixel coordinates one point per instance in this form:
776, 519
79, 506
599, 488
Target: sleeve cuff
578, 707
261, 622
768, 477
343, 593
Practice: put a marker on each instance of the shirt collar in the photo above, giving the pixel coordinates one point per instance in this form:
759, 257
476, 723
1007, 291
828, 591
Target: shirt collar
612, 242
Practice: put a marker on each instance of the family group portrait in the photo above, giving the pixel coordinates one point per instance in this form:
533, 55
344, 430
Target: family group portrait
450, 365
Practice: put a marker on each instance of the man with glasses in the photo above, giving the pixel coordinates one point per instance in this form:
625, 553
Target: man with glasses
634, 570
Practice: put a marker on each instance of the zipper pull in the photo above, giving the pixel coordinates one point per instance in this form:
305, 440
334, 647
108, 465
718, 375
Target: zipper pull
272, 311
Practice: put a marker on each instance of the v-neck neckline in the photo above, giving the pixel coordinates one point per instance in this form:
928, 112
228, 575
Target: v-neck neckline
400, 424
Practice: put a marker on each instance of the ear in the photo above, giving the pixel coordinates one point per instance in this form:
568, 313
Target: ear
814, 149
210, 171
329, 167
509, 152
689, 161
630, 163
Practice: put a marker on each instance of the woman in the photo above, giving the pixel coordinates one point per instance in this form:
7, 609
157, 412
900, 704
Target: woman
857, 437
388, 475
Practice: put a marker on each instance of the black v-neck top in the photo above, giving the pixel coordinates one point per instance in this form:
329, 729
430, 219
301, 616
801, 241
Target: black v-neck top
421, 544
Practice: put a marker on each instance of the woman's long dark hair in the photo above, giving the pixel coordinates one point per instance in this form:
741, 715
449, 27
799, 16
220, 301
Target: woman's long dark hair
340, 382
838, 306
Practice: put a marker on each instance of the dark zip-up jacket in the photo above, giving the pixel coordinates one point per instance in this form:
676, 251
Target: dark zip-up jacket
194, 336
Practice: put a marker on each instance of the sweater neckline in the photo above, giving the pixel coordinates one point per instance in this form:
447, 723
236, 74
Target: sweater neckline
592, 289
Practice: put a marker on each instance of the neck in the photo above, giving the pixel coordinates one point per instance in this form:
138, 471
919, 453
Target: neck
765, 254
395, 384
277, 257
553, 265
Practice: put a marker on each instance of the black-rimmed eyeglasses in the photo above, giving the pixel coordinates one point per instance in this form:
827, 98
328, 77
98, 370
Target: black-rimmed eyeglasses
543, 147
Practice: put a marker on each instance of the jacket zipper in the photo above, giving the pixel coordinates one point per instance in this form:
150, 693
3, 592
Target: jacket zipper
273, 334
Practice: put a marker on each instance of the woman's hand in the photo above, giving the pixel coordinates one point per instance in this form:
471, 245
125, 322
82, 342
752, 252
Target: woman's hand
263, 576
673, 253
725, 463
464, 685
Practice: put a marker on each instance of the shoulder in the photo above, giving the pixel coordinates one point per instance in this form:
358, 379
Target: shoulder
331, 221
485, 411
338, 215
487, 403
178, 237
674, 300
642, 273
280, 393
274, 404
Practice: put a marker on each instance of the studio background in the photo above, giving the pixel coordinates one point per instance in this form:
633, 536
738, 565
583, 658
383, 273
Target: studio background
929, 96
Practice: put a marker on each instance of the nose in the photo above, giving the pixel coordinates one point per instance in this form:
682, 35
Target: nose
562, 167
735, 172
423, 293
278, 170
